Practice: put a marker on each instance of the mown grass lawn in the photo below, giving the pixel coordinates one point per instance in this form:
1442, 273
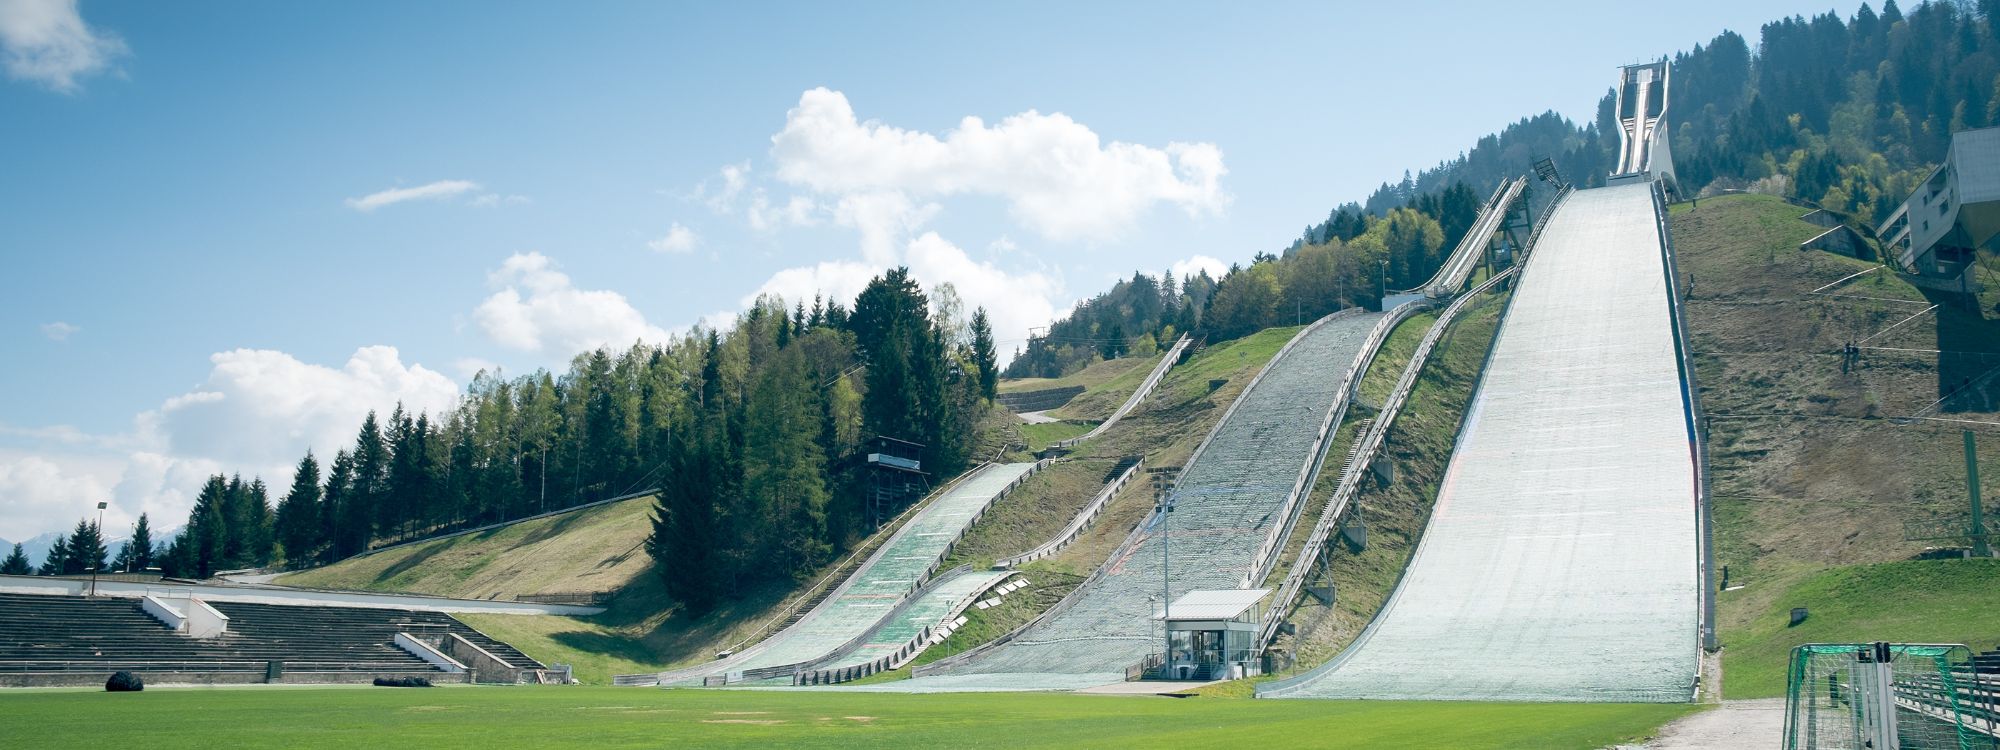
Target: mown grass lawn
635, 717
1929, 601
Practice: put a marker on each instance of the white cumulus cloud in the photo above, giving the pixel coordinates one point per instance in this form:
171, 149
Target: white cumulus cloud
263, 408
538, 309
1015, 301
47, 42
255, 414
1184, 268
1057, 176
59, 331
678, 240
433, 191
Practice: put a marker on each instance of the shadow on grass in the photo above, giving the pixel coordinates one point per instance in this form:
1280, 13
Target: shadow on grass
1968, 371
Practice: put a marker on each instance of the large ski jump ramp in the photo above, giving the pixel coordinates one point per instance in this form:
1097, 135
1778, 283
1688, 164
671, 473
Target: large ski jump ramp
1560, 563
1228, 499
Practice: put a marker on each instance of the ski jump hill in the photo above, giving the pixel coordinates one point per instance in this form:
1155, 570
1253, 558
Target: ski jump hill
1564, 559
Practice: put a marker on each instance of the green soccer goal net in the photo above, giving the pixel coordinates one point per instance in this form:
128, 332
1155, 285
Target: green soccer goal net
1888, 696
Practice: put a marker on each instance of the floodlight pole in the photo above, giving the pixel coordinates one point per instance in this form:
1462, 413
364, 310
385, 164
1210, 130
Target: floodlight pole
1166, 593
100, 540
1978, 530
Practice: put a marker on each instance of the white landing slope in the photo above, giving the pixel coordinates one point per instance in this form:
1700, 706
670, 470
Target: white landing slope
1560, 563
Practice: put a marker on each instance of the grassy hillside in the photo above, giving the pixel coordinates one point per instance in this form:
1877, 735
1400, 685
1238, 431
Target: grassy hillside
1931, 601
595, 549
1810, 472
629, 718
1098, 373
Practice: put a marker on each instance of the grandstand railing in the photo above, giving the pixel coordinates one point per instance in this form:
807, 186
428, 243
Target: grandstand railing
1350, 479
1076, 525
1173, 356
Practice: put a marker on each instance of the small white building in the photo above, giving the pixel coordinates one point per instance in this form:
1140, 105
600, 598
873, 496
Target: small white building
1953, 214
1212, 634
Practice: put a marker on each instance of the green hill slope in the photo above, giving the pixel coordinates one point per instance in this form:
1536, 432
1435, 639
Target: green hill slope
594, 549
1810, 473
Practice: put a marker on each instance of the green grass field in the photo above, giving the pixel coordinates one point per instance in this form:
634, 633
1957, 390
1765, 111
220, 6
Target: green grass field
1043, 435
634, 717
1930, 601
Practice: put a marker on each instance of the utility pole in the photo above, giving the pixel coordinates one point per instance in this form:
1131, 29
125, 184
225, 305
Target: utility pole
1978, 530
1383, 297
1164, 478
101, 541
1166, 590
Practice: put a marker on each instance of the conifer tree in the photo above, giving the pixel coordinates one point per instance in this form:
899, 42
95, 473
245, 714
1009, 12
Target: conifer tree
86, 549
983, 355
16, 563
58, 558
299, 513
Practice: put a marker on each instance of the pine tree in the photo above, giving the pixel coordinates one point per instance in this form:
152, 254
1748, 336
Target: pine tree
784, 472
57, 559
370, 488
139, 553
16, 563
299, 513
86, 549
336, 509
983, 355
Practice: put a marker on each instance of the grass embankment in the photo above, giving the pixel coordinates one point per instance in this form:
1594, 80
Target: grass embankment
594, 549
620, 718
1046, 434
1419, 447
1809, 474
1928, 601
1107, 384
1096, 374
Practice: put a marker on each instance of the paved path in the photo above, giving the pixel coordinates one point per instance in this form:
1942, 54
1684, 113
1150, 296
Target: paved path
1734, 725
1037, 417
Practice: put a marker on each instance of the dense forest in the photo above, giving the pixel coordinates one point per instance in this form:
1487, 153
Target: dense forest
1358, 256
1845, 114
751, 433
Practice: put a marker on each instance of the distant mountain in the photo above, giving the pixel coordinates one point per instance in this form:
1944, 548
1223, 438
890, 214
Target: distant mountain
37, 548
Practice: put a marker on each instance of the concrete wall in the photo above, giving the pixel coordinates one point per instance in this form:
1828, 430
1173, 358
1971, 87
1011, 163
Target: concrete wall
429, 653
167, 614
484, 665
281, 595
156, 679
204, 621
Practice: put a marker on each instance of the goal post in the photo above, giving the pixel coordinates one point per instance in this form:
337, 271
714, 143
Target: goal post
1887, 696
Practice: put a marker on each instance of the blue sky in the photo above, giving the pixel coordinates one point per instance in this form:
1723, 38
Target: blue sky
233, 227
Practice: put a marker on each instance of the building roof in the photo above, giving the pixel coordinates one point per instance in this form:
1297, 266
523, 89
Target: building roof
1220, 604
1975, 155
